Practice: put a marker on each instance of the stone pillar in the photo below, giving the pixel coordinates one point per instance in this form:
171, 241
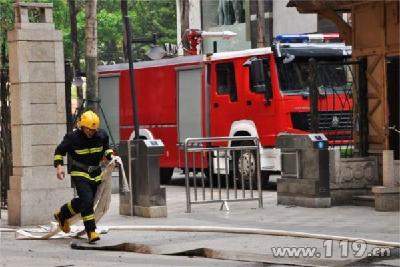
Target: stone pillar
387, 197
388, 177
305, 171
38, 120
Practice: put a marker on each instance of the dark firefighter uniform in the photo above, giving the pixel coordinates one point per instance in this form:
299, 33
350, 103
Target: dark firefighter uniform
86, 154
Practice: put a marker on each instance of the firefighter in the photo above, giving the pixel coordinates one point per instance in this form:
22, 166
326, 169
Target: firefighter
86, 146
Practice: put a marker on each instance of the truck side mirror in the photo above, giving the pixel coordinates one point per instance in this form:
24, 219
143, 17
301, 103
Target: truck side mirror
257, 76
260, 81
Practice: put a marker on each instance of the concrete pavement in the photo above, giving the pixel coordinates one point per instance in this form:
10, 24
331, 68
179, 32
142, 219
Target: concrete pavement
236, 249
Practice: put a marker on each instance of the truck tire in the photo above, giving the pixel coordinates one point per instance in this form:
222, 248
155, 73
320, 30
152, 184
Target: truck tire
166, 175
245, 164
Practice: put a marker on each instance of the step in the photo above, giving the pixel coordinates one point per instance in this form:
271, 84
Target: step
364, 200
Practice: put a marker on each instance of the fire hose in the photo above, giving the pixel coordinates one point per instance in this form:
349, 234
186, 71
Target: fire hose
229, 230
103, 199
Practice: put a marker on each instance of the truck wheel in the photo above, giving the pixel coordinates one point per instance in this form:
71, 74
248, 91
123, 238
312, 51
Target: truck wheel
245, 165
166, 175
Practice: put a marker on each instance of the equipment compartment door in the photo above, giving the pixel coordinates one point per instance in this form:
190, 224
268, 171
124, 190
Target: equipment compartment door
189, 102
109, 95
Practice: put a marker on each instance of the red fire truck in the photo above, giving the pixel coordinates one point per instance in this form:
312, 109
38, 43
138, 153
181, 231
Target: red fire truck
257, 92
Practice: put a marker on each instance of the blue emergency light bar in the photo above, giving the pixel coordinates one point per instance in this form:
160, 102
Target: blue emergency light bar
308, 38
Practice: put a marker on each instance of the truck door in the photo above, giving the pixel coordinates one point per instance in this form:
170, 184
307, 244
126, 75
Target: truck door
189, 102
239, 92
224, 105
261, 100
109, 95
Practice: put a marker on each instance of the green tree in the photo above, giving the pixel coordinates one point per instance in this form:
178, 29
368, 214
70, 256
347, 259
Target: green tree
6, 24
110, 36
92, 90
154, 17
147, 17
60, 15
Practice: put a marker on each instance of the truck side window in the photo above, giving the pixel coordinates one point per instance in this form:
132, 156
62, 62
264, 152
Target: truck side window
226, 82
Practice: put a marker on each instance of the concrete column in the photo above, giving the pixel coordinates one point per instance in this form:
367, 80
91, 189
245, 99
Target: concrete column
388, 168
38, 120
387, 197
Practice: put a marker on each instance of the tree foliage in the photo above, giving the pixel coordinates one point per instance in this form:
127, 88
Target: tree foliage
147, 17
6, 15
6, 24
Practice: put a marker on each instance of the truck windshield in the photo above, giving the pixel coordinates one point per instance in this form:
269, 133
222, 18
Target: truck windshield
330, 78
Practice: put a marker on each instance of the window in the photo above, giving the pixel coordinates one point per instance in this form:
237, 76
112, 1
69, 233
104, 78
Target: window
294, 76
222, 12
226, 82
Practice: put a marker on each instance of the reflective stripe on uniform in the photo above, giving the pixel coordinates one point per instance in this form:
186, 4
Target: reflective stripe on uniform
88, 217
108, 152
86, 175
58, 157
69, 205
89, 150
82, 151
96, 149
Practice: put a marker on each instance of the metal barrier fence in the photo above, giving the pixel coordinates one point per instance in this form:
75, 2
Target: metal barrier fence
242, 184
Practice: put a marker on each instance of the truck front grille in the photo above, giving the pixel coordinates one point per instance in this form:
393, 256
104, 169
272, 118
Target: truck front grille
328, 120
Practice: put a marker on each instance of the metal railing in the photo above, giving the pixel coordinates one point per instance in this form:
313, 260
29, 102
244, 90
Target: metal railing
242, 182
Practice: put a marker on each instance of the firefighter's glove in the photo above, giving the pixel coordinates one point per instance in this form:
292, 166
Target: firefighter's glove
109, 156
60, 172
117, 165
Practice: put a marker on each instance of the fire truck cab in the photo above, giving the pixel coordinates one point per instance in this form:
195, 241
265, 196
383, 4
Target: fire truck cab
257, 92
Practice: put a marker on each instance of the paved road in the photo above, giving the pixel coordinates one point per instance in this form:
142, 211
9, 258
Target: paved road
360, 222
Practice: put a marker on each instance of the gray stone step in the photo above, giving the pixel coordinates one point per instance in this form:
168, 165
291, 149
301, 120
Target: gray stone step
364, 200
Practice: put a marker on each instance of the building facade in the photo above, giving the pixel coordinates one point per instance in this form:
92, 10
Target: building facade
240, 16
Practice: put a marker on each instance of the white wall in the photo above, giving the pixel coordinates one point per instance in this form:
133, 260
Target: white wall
178, 28
194, 20
195, 14
288, 20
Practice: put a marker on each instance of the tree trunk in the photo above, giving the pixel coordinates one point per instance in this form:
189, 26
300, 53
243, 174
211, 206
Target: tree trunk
260, 24
92, 90
184, 8
124, 13
75, 48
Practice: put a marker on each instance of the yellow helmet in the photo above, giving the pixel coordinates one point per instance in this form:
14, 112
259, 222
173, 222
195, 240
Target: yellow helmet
90, 120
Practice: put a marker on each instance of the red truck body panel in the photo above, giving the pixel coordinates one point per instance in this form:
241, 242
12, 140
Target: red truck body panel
156, 91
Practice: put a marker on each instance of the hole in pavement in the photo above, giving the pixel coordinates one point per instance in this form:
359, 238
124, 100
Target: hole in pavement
267, 260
